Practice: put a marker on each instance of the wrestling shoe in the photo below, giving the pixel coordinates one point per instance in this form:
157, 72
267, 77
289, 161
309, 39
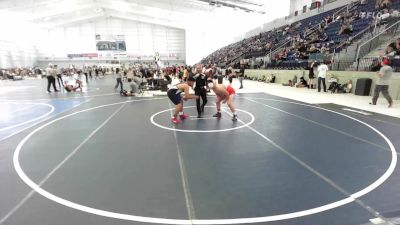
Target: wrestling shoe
234, 118
183, 116
175, 120
218, 115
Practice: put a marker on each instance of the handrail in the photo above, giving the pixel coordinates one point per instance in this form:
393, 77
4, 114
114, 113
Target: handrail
236, 57
386, 29
340, 10
315, 27
279, 47
362, 32
354, 37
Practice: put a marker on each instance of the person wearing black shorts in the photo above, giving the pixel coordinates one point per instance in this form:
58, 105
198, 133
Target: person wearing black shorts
311, 75
241, 76
59, 77
200, 90
174, 94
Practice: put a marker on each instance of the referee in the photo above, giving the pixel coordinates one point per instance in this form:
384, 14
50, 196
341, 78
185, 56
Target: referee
200, 90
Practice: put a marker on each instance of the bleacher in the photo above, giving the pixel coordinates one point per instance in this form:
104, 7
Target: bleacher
334, 43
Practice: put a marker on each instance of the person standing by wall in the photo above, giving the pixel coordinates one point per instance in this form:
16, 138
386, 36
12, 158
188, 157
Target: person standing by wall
241, 76
382, 84
311, 75
322, 69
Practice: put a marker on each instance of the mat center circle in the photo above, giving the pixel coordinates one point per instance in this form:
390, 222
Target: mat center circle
179, 127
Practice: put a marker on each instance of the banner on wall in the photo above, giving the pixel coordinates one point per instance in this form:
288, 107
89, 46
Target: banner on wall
112, 55
110, 42
83, 55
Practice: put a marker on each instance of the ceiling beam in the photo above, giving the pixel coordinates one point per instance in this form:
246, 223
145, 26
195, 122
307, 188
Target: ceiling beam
147, 20
78, 20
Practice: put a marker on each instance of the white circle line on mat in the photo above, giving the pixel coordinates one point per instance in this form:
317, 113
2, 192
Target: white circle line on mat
121, 216
33, 119
199, 131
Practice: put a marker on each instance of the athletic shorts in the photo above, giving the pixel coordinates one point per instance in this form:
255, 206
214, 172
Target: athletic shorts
230, 90
175, 98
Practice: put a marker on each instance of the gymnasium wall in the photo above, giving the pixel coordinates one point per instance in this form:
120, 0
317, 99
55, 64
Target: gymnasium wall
17, 43
282, 76
141, 38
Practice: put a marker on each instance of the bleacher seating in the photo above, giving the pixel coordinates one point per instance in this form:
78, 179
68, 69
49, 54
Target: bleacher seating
289, 57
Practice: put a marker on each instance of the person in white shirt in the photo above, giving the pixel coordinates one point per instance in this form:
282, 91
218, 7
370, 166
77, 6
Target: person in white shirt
322, 69
394, 13
51, 78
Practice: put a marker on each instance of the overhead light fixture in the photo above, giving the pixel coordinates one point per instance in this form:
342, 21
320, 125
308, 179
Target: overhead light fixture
98, 10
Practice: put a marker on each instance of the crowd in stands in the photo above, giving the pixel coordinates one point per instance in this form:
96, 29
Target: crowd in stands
315, 37
19, 73
393, 49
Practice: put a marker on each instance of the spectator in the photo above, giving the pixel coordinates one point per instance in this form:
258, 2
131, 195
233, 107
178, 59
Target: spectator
383, 17
290, 83
394, 13
376, 65
261, 64
134, 84
363, 14
398, 46
311, 75
391, 49
322, 69
324, 49
302, 83
241, 76
346, 28
348, 87
119, 78
294, 80
384, 4
382, 84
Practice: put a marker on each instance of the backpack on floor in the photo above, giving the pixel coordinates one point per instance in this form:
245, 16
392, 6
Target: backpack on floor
123, 93
341, 88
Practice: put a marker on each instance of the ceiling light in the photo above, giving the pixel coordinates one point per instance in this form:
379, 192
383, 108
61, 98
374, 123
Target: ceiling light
98, 10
